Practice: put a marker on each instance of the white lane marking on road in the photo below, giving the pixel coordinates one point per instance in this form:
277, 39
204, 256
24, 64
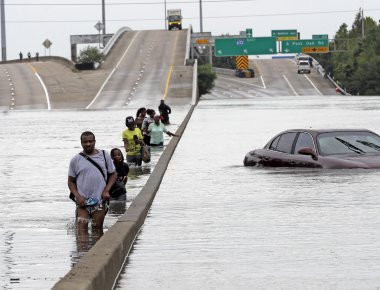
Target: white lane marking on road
319, 92
290, 85
45, 90
43, 85
219, 77
262, 80
113, 71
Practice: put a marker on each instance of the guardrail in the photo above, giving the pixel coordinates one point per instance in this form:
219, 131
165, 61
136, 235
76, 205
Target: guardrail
60, 59
113, 39
341, 90
322, 72
188, 42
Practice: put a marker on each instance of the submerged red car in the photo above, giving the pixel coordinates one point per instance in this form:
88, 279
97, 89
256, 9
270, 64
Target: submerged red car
332, 148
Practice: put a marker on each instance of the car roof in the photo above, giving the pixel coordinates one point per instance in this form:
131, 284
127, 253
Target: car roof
319, 131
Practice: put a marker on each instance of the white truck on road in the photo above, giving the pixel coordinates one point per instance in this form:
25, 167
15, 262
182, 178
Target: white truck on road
303, 67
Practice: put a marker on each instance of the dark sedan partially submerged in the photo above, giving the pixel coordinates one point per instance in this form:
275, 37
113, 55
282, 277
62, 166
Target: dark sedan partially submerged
319, 149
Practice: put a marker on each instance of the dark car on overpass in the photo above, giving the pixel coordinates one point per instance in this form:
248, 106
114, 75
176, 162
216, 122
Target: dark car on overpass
331, 149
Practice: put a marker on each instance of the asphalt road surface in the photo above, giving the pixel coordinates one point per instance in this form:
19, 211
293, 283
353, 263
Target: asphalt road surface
20, 88
148, 61
274, 78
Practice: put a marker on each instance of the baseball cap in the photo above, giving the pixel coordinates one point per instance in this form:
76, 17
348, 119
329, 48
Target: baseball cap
129, 121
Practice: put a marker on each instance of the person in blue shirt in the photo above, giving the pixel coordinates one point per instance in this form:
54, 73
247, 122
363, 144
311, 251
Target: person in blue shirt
156, 131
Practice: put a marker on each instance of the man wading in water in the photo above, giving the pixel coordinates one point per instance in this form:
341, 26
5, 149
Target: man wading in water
87, 181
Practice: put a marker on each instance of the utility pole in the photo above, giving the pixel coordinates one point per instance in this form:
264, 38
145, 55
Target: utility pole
165, 18
200, 15
362, 22
3, 39
104, 16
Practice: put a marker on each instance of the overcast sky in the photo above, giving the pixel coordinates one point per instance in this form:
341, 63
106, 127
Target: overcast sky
28, 25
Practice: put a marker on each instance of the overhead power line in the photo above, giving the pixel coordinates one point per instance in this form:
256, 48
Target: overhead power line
127, 3
192, 18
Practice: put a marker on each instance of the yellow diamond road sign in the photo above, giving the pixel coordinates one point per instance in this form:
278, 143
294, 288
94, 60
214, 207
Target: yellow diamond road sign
47, 43
317, 49
242, 62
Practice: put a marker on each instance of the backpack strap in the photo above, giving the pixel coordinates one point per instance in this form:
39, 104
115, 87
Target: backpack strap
94, 163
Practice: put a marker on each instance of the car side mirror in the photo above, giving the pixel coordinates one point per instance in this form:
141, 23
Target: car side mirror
308, 151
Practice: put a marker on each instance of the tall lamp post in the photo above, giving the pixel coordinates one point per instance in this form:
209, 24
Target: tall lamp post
3, 39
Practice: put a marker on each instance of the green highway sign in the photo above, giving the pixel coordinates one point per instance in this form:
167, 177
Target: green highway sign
245, 46
285, 34
305, 45
320, 36
248, 32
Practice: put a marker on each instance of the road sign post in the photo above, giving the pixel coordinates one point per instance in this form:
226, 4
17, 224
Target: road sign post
305, 46
47, 43
245, 46
99, 26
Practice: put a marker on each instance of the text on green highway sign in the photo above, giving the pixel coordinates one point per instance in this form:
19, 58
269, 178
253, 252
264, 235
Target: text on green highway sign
297, 46
245, 46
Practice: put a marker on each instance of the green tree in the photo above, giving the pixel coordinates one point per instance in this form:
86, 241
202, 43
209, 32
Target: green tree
206, 78
356, 65
90, 54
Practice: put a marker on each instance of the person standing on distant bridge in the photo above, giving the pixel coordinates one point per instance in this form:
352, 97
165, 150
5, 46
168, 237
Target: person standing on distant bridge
133, 140
164, 110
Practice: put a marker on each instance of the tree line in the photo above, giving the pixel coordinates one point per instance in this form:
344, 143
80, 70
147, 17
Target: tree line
354, 60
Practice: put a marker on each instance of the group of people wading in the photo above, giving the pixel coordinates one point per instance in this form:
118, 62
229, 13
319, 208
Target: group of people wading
95, 176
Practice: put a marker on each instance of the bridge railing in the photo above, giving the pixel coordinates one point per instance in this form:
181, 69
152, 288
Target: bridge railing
113, 39
322, 71
188, 43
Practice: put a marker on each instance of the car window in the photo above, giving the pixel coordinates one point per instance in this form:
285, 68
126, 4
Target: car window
304, 141
304, 63
285, 143
348, 143
273, 145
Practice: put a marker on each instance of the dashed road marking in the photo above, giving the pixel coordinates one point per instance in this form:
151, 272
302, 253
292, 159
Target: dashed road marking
290, 85
318, 91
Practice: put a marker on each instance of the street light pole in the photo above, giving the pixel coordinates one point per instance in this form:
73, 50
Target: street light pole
3, 39
200, 16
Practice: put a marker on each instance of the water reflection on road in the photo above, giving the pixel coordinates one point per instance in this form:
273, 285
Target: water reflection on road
216, 224
38, 242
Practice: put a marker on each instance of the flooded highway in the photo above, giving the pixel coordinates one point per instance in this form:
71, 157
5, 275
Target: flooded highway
216, 224
38, 242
